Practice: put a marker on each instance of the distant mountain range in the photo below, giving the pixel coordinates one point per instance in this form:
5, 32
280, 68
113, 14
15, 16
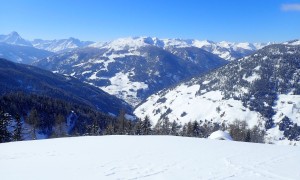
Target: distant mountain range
49, 45
226, 50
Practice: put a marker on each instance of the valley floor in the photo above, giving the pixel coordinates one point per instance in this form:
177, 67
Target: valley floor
146, 157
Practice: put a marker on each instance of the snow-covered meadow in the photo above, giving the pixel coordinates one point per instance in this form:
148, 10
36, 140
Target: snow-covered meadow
146, 157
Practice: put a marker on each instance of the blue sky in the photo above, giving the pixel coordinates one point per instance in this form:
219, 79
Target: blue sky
104, 20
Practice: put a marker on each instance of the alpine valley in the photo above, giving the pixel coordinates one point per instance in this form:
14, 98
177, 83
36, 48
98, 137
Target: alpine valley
157, 80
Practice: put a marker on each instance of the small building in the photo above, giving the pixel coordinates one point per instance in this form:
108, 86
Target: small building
220, 135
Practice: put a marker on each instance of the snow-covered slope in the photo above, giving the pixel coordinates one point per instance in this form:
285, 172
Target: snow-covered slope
146, 157
261, 89
132, 69
60, 44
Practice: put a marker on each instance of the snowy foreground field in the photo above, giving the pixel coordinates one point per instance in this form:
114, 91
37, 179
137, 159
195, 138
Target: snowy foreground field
146, 157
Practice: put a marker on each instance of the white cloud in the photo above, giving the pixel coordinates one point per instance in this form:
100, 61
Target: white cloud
290, 7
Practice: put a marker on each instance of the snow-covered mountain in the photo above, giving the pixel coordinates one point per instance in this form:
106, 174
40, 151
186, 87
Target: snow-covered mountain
147, 157
15, 39
226, 50
261, 89
22, 54
59, 45
131, 68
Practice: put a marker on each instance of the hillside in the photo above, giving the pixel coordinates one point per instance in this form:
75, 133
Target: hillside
261, 89
146, 157
32, 80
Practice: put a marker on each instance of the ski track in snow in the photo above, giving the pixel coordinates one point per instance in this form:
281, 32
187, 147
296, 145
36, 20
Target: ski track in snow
146, 157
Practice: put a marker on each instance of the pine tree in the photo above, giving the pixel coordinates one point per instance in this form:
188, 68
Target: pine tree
138, 128
130, 126
189, 131
5, 135
109, 130
59, 125
184, 130
95, 127
166, 127
174, 128
146, 126
33, 120
121, 122
196, 129
17, 135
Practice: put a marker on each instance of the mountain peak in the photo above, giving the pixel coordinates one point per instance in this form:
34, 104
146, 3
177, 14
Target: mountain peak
14, 33
15, 39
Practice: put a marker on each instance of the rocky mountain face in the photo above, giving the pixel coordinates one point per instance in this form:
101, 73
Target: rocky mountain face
132, 69
27, 79
262, 89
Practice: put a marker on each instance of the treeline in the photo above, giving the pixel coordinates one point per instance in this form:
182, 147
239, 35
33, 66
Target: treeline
24, 116
122, 126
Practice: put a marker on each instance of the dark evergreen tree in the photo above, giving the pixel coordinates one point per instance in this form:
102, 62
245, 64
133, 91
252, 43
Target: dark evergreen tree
17, 134
138, 128
166, 127
189, 131
95, 128
146, 126
59, 125
33, 120
5, 119
184, 130
130, 126
175, 128
196, 129
121, 123
109, 130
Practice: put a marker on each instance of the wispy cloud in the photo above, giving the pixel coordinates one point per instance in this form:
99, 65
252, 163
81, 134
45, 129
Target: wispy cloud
290, 7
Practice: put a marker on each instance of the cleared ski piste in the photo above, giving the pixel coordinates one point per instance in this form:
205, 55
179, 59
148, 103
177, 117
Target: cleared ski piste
146, 157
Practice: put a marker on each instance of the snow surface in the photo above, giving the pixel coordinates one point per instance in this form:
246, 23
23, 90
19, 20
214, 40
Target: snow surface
220, 135
146, 157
